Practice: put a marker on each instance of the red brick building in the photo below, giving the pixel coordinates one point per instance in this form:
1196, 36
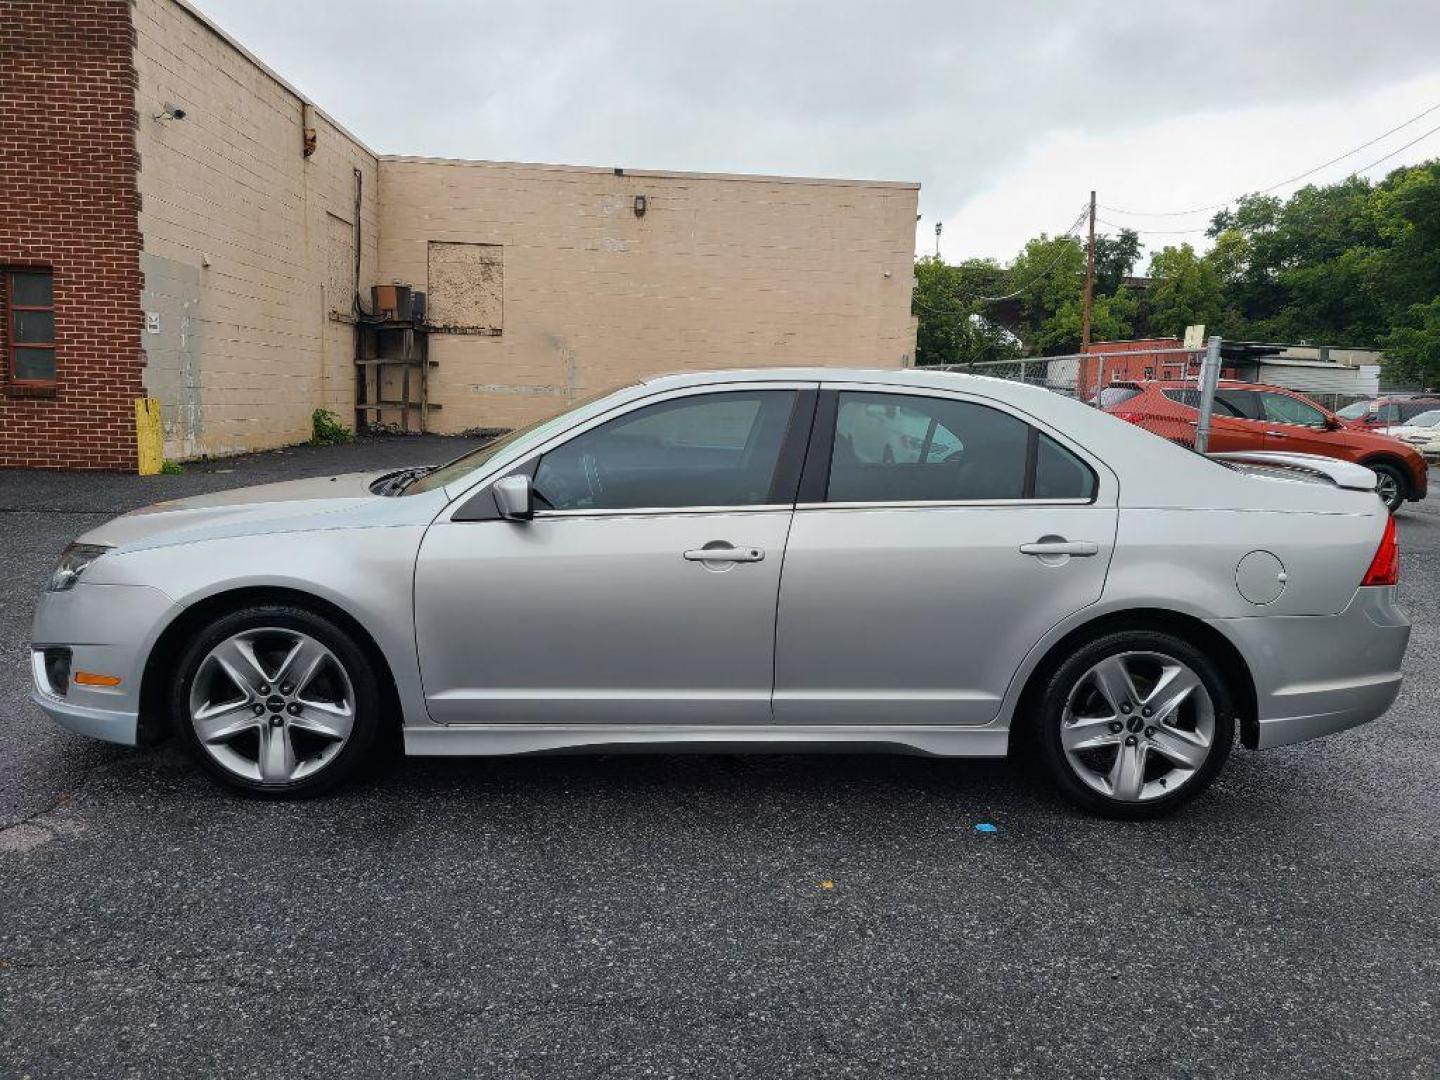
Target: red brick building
69, 236
181, 227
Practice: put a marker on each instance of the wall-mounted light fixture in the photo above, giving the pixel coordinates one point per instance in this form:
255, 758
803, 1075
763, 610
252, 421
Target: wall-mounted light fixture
170, 111
641, 205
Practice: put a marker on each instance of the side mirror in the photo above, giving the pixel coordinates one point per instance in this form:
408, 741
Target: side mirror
513, 498
1332, 423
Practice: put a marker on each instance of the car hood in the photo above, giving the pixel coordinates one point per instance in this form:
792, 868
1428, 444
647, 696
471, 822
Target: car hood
324, 502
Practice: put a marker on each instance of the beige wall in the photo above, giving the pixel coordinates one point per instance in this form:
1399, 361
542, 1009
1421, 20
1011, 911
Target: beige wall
245, 347
721, 271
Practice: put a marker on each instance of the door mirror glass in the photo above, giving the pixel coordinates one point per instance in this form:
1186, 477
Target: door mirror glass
514, 498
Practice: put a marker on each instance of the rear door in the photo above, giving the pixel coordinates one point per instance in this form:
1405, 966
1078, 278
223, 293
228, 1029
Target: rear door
1237, 421
937, 538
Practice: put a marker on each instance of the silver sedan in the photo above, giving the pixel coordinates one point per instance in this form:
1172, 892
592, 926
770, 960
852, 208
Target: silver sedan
917, 561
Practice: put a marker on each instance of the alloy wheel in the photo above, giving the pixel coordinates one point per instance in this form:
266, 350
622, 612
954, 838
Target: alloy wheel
272, 705
1138, 726
1387, 487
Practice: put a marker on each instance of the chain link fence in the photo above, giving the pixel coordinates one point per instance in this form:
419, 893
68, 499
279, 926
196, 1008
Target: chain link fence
1106, 380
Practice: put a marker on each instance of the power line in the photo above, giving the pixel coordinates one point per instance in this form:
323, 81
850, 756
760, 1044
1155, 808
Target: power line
1392, 153
1070, 232
1298, 176
1084, 213
1152, 232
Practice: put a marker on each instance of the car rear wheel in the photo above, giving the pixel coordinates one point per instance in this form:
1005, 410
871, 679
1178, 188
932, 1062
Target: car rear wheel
1135, 724
277, 701
1390, 485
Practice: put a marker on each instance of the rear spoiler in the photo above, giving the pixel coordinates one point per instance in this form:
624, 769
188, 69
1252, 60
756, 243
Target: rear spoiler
1343, 474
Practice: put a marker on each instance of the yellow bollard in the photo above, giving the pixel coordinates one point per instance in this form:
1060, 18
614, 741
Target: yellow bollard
149, 439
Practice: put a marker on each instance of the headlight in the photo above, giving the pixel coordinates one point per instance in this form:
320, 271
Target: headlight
73, 561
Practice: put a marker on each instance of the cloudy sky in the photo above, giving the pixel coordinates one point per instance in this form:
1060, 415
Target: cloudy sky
1008, 113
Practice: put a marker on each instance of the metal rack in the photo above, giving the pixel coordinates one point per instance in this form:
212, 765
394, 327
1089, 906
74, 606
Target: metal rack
382, 346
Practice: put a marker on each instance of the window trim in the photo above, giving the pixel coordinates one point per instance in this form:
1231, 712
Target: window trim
11, 344
815, 483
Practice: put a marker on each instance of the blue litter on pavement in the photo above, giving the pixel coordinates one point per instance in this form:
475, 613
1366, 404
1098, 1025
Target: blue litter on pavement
985, 826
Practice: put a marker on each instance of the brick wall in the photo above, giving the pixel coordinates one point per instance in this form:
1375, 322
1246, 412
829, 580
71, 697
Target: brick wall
68, 202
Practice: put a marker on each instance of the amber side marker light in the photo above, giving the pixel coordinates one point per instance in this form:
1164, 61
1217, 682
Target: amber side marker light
1385, 567
89, 678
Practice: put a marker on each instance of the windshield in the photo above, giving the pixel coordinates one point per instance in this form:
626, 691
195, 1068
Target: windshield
1426, 419
531, 433
1355, 411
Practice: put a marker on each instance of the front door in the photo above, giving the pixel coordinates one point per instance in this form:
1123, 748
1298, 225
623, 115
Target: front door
644, 589
1295, 426
948, 538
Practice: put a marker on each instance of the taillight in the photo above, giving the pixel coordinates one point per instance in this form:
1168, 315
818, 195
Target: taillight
1385, 567
1129, 417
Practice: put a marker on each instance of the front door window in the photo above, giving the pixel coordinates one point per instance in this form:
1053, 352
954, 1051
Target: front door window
716, 450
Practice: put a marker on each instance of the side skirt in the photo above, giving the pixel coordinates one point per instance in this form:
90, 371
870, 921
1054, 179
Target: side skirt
482, 739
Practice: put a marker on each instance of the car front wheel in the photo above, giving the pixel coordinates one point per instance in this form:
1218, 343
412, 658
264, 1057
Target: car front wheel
276, 700
1135, 724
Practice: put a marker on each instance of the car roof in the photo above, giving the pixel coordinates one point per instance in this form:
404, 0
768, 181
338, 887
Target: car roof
921, 377
1192, 384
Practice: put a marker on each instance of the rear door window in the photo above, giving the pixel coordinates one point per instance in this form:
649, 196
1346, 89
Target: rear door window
1241, 403
904, 448
1191, 399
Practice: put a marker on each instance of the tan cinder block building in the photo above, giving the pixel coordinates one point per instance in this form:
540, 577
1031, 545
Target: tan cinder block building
588, 292
244, 227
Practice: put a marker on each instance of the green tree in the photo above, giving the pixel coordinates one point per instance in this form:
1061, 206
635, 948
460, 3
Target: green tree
1187, 290
1113, 318
952, 326
1047, 274
1115, 259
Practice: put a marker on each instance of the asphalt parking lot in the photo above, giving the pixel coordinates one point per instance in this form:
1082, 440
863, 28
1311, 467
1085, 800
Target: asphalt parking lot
709, 915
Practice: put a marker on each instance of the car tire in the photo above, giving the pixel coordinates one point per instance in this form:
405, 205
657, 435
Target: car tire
1393, 486
1076, 710
262, 732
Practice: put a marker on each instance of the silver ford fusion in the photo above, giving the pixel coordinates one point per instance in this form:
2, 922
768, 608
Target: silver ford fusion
776, 559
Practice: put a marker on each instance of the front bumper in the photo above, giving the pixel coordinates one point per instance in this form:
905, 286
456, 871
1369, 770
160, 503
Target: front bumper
1317, 674
109, 630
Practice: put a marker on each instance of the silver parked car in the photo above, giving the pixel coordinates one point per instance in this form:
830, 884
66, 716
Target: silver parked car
771, 559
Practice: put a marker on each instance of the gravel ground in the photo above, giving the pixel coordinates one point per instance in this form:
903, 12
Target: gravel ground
708, 915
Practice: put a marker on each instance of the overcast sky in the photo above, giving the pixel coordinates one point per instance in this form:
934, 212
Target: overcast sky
1007, 112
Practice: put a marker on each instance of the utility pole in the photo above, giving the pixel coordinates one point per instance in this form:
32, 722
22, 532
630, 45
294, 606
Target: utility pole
937, 239
1089, 281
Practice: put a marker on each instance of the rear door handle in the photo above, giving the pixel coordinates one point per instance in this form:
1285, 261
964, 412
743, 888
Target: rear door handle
725, 553
1079, 548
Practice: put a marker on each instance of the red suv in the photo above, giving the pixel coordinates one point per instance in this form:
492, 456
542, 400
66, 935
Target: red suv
1251, 416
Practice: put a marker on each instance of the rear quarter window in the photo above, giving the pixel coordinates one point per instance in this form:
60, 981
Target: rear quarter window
1111, 396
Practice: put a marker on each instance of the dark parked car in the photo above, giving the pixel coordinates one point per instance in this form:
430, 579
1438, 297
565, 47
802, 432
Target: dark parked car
1388, 411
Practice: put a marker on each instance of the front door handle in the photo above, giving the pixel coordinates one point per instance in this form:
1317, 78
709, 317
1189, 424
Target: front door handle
724, 553
1079, 548
1277, 435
